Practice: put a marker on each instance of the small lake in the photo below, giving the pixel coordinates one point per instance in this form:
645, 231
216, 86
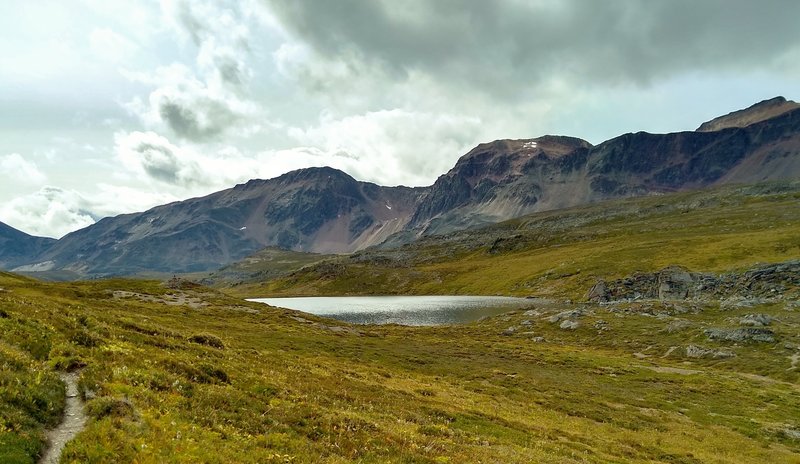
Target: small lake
405, 310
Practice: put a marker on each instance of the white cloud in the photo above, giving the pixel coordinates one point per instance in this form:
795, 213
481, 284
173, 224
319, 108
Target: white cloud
54, 212
210, 100
49, 212
20, 170
395, 146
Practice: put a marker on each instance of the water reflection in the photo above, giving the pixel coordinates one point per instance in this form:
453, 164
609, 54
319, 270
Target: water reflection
405, 310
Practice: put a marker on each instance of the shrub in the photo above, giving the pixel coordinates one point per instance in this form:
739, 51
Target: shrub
208, 340
106, 406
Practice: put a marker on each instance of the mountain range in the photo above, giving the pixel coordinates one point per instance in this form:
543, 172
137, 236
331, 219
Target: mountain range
324, 210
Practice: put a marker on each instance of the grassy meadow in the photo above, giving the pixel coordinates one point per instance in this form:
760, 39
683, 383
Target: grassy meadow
182, 373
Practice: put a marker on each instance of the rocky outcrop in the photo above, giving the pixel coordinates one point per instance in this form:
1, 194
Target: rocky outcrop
759, 284
742, 335
694, 351
756, 320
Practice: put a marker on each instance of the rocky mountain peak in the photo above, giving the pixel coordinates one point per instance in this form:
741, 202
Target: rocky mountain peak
761, 111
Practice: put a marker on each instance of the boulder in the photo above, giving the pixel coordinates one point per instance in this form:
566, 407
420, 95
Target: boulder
599, 292
678, 325
509, 331
565, 315
569, 325
742, 335
756, 320
674, 283
694, 351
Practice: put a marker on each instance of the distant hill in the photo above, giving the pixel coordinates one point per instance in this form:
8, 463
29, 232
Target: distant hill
314, 209
324, 210
17, 247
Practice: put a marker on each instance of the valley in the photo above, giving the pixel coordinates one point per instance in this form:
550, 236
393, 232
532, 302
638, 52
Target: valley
657, 316
177, 372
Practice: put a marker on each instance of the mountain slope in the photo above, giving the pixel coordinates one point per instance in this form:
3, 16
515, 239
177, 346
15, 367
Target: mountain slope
315, 209
16, 247
508, 178
562, 253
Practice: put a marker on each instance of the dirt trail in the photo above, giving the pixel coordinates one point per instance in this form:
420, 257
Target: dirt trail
73, 422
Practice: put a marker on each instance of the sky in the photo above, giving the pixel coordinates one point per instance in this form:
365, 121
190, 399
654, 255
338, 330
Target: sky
116, 106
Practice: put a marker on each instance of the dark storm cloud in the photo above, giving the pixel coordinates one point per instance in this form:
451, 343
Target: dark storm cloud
160, 162
199, 118
512, 44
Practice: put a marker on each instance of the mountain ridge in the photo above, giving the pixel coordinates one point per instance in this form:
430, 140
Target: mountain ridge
325, 210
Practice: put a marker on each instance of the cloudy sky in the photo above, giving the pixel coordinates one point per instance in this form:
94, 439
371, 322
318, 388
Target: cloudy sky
114, 106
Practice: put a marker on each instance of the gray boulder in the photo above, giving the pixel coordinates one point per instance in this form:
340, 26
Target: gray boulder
569, 325
574, 313
674, 283
742, 335
599, 292
756, 320
694, 351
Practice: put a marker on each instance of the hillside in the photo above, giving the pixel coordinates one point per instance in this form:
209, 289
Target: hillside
180, 373
16, 247
563, 253
267, 264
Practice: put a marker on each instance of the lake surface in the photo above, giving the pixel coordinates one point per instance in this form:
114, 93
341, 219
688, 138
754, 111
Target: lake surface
405, 310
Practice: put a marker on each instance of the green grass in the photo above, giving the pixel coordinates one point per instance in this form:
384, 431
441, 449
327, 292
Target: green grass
189, 374
231, 381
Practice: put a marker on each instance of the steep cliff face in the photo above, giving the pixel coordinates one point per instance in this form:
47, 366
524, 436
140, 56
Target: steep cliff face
315, 209
498, 180
17, 247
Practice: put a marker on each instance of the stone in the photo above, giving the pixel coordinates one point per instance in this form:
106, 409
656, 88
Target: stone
756, 320
678, 326
565, 315
599, 292
694, 351
742, 335
569, 325
674, 283
509, 331
792, 433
